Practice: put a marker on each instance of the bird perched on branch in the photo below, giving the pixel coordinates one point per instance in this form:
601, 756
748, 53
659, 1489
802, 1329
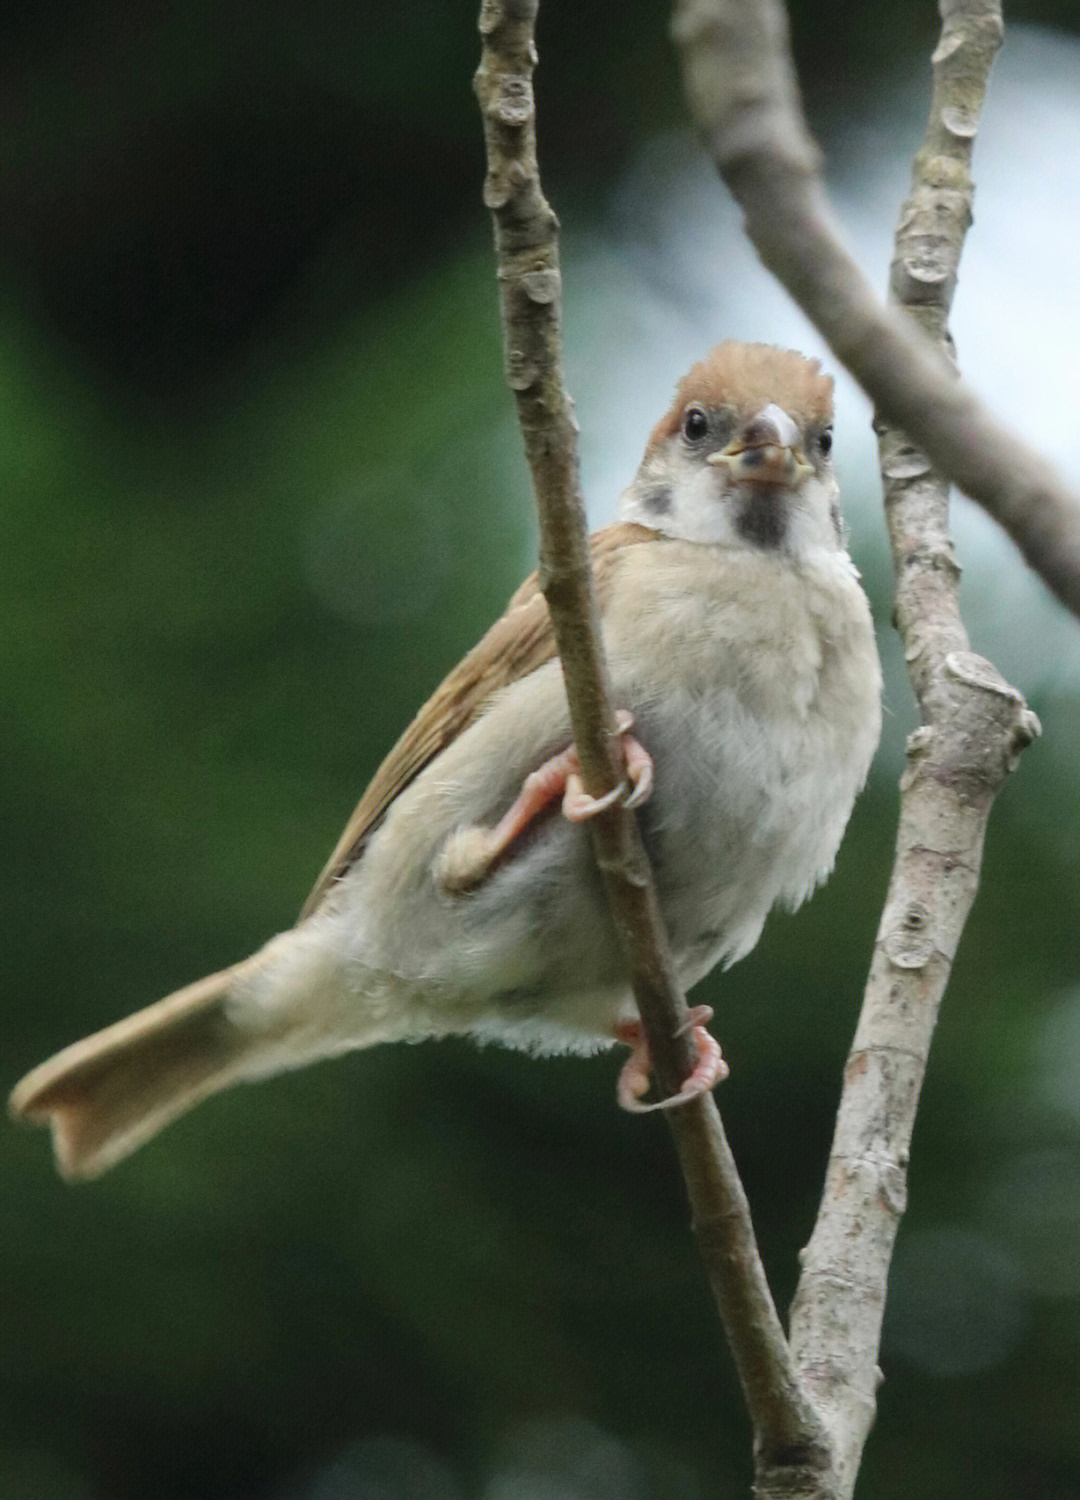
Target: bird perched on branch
462, 896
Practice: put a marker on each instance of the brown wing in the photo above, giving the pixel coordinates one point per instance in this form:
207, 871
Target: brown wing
521, 640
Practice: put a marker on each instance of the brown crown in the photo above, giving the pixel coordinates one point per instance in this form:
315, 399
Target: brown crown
748, 377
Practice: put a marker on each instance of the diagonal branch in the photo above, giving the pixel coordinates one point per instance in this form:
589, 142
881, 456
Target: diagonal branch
526, 248
744, 97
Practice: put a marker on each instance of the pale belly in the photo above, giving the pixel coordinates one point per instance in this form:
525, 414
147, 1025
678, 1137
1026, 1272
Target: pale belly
531, 957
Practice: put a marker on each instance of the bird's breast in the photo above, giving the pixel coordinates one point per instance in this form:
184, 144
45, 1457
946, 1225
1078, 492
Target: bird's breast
756, 690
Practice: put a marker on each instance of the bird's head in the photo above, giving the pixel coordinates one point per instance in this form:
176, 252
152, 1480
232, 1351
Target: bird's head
743, 456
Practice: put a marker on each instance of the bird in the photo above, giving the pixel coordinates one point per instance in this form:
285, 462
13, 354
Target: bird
462, 896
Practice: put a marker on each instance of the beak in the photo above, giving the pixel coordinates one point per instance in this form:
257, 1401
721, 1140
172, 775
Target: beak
767, 450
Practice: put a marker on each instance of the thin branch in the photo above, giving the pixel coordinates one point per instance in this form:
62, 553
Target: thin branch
529, 280
974, 725
744, 97
526, 248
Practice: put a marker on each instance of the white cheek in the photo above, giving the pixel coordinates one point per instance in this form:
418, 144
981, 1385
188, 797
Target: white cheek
701, 512
705, 510
700, 507
811, 521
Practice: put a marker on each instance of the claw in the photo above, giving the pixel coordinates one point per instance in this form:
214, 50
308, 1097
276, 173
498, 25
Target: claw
639, 768
709, 1070
579, 807
634, 789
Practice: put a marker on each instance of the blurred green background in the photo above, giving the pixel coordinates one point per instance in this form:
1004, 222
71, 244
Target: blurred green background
260, 488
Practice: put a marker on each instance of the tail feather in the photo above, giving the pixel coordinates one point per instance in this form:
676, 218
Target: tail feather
106, 1095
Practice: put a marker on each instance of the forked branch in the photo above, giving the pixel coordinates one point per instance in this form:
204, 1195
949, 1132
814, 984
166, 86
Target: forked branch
811, 1403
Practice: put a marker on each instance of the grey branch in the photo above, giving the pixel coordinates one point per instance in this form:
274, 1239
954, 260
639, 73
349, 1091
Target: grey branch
526, 246
744, 97
974, 725
742, 85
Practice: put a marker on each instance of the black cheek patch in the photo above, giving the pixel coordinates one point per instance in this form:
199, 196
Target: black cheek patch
763, 520
657, 500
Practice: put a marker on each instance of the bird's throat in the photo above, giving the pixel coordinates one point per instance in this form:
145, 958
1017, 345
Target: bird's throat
761, 517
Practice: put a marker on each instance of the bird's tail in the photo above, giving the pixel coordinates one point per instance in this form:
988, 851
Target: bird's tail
107, 1094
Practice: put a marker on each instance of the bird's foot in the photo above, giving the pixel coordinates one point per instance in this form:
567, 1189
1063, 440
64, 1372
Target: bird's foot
709, 1070
578, 806
469, 854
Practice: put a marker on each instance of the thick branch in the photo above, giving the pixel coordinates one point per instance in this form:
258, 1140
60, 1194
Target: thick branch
742, 88
744, 98
528, 271
974, 723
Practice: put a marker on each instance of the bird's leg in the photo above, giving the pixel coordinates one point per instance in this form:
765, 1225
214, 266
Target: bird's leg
709, 1070
469, 854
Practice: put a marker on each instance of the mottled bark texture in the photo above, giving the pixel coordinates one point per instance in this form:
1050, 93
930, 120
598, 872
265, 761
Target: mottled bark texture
811, 1402
743, 92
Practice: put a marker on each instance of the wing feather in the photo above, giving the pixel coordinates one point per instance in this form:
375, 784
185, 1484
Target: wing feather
519, 642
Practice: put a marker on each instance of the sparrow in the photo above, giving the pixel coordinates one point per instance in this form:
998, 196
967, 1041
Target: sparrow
463, 897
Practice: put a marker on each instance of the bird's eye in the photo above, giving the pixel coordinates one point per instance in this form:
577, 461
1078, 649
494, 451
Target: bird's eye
695, 424
824, 442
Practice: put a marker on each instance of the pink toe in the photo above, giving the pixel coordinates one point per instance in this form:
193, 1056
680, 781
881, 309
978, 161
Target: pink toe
633, 1083
639, 769
578, 806
710, 1068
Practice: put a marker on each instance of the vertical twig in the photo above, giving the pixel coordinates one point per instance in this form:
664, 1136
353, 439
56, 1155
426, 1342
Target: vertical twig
530, 292
974, 726
528, 272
